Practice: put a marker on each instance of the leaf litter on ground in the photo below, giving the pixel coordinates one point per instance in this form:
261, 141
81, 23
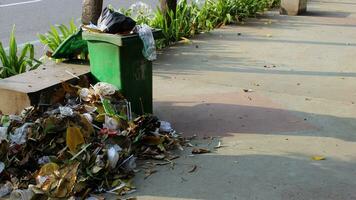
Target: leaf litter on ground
84, 142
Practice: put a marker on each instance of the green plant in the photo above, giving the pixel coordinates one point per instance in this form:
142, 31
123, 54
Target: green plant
55, 37
175, 26
140, 12
13, 64
197, 16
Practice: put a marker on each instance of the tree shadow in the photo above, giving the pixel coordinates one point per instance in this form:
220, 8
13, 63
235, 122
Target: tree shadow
251, 176
336, 2
220, 119
333, 14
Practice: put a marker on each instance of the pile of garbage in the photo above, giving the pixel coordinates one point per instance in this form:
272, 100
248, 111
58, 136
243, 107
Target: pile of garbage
86, 141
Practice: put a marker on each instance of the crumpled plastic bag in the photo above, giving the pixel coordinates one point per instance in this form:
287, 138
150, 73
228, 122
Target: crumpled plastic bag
104, 89
66, 111
165, 127
111, 123
5, 189
149, 46
85, 94
22, 194
114, 155
129, 164
3, 133
20, 134
114, 22
2, 166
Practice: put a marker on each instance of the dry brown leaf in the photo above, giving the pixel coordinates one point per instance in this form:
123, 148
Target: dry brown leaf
68, 88
152, 140
194, 168
87, 127
149, 172
74, 137
48, 169
318, 158
67, 180
200, 151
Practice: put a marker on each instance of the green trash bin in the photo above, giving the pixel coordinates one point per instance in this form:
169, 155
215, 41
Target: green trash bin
118, 59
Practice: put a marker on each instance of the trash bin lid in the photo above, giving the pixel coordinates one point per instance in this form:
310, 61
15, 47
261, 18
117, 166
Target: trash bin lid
116, 39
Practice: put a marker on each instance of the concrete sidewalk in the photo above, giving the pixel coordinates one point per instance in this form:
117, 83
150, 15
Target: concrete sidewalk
302, 71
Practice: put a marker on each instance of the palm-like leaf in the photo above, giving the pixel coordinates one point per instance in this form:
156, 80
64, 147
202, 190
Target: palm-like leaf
13, 64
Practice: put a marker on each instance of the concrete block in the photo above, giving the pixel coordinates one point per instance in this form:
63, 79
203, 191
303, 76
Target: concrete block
293, 7
23, 90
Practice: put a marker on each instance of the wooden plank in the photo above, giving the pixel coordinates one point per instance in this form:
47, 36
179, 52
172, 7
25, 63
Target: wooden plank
20, 91
13, 102
45, 76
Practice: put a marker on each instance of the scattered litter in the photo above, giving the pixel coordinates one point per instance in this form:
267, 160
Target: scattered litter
85, 143
149, 172
5, 189
85, 94
22, 194
183, 179
185, 40
269, 66
318, 158
194, 168
20, 134
66, 111
43, 160
2, 166
189, 144
165, 127
113, 155
239, 34
73, 75
219, 145
247, 90
308, 99
269, 35
3, 133
200, 151
129, 164
104, 89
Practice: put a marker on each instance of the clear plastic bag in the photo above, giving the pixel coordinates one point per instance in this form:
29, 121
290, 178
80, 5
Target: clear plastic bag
149, 46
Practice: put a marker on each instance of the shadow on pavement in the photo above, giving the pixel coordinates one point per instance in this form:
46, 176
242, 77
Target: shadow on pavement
252, 176
218, 119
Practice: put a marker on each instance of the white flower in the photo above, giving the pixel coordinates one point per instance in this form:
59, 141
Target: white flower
141, 9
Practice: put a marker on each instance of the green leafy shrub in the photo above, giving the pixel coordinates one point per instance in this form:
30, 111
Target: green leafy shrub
174, 27
192, 18
56, 36
140, 12
12, 64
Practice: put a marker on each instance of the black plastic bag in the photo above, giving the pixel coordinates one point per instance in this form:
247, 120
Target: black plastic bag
115, 22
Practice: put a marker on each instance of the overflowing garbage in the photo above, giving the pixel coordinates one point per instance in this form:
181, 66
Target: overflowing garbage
113, 22
86, 141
